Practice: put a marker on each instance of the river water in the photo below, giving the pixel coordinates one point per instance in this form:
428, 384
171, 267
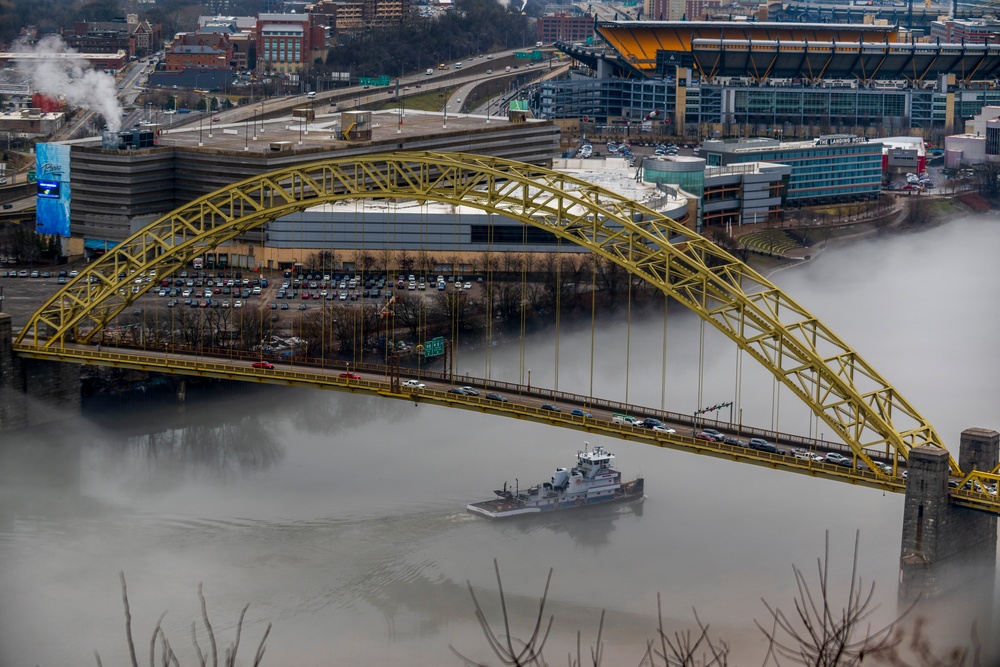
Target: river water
340, 519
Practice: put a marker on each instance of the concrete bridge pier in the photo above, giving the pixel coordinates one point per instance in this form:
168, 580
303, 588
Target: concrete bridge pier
34, 392
949, 552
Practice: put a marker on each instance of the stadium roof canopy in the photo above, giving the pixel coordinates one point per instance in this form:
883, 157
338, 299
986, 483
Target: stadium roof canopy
810, 51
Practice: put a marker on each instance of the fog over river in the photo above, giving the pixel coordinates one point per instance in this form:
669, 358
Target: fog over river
341, 519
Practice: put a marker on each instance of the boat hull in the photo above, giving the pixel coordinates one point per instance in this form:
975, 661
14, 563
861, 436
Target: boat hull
501, 508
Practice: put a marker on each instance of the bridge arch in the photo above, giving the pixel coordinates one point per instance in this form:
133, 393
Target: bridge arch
803, 354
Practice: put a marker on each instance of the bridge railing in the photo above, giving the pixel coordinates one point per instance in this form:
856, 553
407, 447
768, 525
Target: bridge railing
696, 423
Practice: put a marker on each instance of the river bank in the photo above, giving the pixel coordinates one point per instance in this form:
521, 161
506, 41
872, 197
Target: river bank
938, 211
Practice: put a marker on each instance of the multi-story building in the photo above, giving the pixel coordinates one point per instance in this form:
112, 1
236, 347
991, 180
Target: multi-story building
835, 167
199, 50
698, 10
664, 10
133, 36
99, 37
386, 12
116, 192
146, 37
288, 43
966, 31
728, 196
566, 28
342, 16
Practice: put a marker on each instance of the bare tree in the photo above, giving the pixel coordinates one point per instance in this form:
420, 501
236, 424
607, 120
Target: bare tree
919, 211
817, 634
168, 657
528, 651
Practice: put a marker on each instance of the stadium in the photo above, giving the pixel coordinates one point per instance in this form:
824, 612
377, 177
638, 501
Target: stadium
755, 78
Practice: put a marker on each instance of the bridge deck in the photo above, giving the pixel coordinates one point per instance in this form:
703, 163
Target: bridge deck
524, 404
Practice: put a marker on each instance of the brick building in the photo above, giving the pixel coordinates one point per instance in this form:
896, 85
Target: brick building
193, 50
133, 36
565, 28
697, 10
288, 43
966, 31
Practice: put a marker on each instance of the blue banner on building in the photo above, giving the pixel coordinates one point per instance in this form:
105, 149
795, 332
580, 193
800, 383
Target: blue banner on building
52, 203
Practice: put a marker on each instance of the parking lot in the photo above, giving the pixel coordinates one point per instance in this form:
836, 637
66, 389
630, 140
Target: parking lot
25, 290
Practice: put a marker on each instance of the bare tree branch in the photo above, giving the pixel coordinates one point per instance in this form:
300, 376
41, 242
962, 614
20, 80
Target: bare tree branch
208, 625
260, 649
128, 621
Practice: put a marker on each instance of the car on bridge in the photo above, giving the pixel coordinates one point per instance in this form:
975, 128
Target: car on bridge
663, 428
550, 407
263, 364
414, 384
496, 397
837, 459
763, 445
580, 413
718, 436
469, 391
350, 376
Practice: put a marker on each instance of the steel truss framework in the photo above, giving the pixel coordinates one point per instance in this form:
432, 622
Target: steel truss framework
803, 354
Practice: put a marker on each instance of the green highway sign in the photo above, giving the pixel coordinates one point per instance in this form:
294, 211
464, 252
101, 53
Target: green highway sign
528, 55
434, 347
374, 81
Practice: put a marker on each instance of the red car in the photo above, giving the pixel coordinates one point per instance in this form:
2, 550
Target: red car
350, 376
262, 364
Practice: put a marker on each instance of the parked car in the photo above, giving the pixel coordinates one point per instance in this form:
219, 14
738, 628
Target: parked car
263, 364
414, 384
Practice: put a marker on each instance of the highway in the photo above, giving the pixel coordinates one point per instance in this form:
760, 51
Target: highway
473, 73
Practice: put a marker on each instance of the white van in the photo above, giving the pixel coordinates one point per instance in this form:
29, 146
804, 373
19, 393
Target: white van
507, 69
311, 94
429, 72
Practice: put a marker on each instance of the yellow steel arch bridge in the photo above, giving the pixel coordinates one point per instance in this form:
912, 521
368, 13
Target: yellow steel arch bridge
838, 385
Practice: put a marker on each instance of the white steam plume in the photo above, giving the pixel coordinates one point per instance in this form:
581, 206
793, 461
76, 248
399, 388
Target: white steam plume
56, 71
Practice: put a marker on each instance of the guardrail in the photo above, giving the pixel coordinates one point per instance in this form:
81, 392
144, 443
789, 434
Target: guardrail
499, 386
284, 375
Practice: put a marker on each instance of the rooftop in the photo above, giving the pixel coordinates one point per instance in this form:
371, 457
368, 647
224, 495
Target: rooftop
321, 134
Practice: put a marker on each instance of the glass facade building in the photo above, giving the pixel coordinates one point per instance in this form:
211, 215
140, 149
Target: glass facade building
836, 104
833, 167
